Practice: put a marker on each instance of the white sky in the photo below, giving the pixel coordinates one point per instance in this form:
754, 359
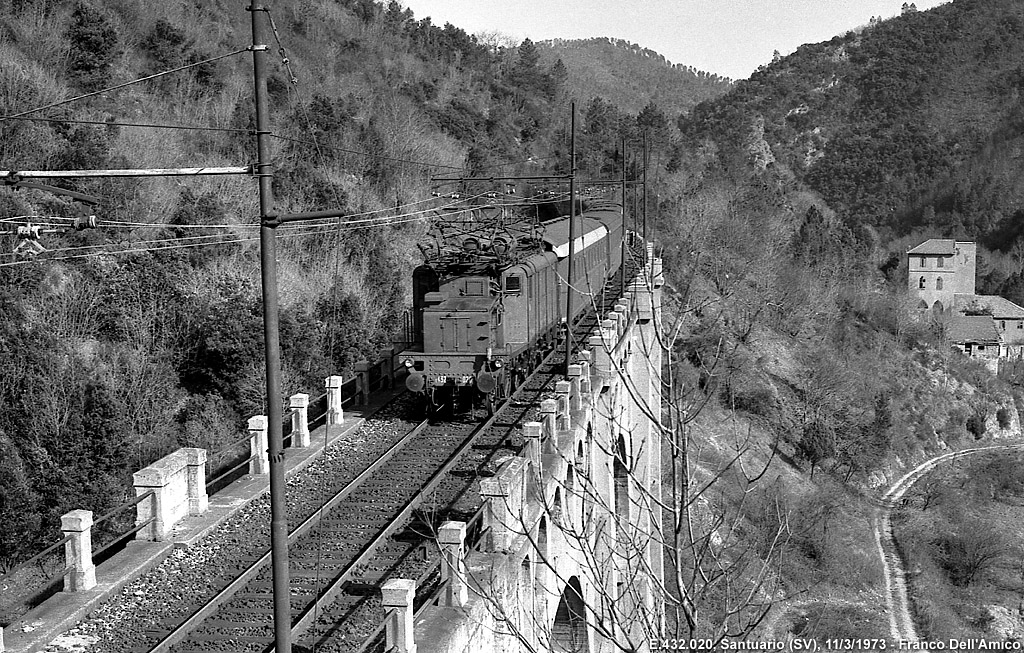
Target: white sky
728, 37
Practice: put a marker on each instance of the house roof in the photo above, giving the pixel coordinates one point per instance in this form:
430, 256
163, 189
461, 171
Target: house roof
977, 329
994, 305
944, 246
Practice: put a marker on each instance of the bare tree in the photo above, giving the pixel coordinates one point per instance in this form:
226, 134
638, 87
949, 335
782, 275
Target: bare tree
673, 536
970, 551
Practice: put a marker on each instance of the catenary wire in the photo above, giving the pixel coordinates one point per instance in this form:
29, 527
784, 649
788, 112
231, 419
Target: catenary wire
134, 81
104, 123
288, 231
293, 234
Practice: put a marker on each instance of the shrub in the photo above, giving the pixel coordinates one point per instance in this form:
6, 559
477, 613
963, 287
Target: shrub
166, 44
94, 46
966, 554
976, 425
757, 400
1003, 417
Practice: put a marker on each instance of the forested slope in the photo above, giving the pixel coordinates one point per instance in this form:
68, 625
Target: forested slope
907, 124
628, 75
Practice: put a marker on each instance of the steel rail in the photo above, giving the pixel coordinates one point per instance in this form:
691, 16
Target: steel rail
181, 632
473, 541
308, 615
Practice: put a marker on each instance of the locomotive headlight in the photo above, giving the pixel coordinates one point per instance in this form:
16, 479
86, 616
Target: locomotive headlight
497, 365
408, 363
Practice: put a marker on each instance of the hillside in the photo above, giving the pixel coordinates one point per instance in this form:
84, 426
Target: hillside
628, 75
791, 342
910, 122
785, 207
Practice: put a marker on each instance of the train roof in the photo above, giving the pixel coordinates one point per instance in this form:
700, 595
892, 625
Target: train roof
595, 223
556, 235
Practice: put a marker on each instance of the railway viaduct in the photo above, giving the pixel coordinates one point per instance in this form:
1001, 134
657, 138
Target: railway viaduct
570, 558
563, 554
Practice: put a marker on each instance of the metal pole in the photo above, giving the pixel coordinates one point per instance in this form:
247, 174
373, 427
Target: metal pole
271, 336
622, 249
572, 236
636, 209
645, 197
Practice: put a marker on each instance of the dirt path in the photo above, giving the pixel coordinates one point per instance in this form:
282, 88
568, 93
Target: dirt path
901, 623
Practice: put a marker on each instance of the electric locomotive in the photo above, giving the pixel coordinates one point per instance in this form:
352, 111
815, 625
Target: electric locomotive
487, 310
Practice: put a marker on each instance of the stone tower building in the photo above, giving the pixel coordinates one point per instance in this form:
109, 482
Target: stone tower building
940, 269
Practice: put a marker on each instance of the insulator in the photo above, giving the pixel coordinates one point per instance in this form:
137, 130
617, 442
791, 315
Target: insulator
28, 232
85, 222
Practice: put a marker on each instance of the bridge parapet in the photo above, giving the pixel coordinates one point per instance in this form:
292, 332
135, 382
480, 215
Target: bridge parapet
553, 512
81, 572
298, 404
178, 483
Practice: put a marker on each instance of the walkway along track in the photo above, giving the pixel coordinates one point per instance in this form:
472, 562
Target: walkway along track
901, 622
432, 474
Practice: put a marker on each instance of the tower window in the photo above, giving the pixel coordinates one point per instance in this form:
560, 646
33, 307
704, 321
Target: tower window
938, 284
924, 261
939, 262
920, 284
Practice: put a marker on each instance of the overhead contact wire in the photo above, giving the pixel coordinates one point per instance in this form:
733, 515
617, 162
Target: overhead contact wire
106, 123
134, 81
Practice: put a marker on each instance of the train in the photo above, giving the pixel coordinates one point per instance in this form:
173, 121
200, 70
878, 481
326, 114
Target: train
489, 302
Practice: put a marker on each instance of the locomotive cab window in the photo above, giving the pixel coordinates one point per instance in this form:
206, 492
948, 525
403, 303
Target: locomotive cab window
513, 284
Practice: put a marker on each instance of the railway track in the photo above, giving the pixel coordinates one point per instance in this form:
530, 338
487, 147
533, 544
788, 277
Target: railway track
381, 525
354, 623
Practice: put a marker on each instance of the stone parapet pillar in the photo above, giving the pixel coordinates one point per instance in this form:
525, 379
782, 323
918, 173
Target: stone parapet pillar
397, 597
299, 405
363, 382
260, 463
198, 500
585, 381
602, 358
610, 333
335, 415
532, 436
505, 495
563, 390
81, 572
451, 539
586, 369
644, 302
575, 399
549, 424
387, 367
621, 316
172, 499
